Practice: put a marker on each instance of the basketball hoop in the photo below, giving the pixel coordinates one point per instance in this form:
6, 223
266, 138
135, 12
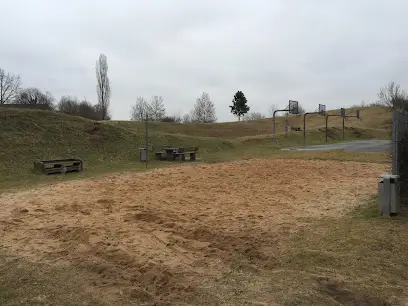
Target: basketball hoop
293, 107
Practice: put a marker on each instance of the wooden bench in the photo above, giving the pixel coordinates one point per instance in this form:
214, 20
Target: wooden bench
181, 153
58, 165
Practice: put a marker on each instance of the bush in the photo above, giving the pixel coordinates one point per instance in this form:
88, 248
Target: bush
174, 119
71, 106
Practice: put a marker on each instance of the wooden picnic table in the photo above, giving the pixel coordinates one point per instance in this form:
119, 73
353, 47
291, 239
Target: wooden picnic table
172, 152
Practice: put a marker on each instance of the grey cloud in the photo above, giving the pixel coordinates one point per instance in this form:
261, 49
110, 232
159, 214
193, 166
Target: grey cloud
334, 52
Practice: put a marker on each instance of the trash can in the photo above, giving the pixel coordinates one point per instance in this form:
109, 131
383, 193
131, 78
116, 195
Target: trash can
142, 154
388, 194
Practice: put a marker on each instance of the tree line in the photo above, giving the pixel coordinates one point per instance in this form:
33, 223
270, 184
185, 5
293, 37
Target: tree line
11, 92
203, 111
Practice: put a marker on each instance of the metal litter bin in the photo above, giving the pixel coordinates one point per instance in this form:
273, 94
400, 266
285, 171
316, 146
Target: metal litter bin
388, 195
142, 154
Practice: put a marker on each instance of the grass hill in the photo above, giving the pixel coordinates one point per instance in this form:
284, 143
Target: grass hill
27, 135
371, 118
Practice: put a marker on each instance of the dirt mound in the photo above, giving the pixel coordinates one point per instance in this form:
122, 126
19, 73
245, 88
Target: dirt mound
160, 237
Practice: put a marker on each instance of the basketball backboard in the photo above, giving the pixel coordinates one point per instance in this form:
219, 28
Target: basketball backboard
322, 109
293, 107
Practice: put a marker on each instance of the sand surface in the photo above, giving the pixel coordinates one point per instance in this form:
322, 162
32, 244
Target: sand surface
158, 235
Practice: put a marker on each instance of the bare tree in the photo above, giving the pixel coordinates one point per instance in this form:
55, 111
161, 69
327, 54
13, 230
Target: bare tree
186, 118
272, 108
156, 108
254, 116
393, 96
204, 110
140, 109
35, 96
103, 86
9, 86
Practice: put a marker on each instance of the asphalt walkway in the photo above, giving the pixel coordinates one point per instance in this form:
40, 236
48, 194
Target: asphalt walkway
356, 146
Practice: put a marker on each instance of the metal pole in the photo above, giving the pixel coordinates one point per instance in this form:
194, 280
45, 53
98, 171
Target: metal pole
343, 128
327, 119
394, 142
304, 128
273, 134
304, 125
147, 140
273, 130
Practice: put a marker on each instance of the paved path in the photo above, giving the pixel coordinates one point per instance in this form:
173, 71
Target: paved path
356, 146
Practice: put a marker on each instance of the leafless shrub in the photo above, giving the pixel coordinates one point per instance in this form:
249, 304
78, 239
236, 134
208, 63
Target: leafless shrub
254, 116
393, 96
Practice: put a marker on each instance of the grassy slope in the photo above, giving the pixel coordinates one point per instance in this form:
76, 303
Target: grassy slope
27, 135
371, 118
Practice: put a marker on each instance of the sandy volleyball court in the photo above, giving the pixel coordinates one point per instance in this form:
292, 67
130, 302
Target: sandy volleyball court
159, 235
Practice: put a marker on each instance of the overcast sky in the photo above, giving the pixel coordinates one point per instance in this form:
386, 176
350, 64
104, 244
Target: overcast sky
335, 52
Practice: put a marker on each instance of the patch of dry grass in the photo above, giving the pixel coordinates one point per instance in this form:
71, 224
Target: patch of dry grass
372, 118
26, 283
358, 259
